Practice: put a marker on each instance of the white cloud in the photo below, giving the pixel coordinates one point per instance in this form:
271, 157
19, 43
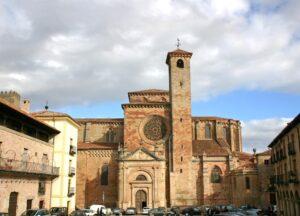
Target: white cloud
78, 48
260, 133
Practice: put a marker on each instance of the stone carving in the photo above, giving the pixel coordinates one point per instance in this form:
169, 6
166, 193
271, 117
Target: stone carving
155, 128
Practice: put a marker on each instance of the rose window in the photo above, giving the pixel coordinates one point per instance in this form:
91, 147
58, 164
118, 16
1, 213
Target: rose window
155, 129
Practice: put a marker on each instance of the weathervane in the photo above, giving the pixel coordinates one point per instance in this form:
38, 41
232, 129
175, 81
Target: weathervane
46, 106
178, 43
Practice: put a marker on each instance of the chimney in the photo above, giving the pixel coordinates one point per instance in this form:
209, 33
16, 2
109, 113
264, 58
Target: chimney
26, 106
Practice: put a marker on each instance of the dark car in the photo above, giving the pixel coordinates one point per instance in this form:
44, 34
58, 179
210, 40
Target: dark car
191, 211
117, 211
59, 211
131, 211
36, 212
175, 210
78, 213
3, 214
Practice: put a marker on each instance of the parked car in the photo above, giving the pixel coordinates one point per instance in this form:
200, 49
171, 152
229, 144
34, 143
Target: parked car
145, 211
131, 211
36, 212
191, 211
117, 211
59, 211
78, 213
175, 210
161, 211
88, 212
98, 208
3, 214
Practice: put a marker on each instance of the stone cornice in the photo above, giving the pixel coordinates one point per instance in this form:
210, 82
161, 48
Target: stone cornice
146, 105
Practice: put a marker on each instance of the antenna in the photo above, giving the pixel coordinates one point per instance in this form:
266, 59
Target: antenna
178, 44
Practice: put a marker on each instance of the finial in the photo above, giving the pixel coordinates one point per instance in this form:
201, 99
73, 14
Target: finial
254, 150
46, 106
178, 43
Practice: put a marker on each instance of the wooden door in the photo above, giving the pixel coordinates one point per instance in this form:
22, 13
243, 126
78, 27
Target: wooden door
12, 208
140, 200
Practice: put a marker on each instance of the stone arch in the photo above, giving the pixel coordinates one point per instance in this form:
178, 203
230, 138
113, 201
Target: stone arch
141, 178
145, 173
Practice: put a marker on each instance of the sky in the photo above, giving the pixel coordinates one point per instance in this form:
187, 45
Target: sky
84, 56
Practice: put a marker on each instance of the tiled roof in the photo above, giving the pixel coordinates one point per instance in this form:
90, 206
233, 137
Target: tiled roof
267, 152
178, 52
97, 145
28, 116
48, 113
243, 155
150, 91
100, 120
209, 147
287, 129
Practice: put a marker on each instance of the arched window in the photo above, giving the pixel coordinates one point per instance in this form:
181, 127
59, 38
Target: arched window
216, 175
110, 135
141, 178
180, 63
207, 131
104, 175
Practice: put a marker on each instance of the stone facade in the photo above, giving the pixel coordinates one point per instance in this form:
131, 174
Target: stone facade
159, 155
26, 157
286, 162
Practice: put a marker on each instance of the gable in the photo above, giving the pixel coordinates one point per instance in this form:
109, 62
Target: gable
141, 154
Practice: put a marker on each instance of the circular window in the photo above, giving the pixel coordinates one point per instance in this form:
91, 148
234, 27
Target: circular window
154, 128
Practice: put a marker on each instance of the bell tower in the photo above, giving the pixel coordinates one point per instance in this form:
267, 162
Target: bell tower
182, 191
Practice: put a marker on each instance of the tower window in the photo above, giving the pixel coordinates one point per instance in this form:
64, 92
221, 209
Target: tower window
180, 63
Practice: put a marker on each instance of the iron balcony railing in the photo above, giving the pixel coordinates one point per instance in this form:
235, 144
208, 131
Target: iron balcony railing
72, 171
73, 150
11, 165
71, 191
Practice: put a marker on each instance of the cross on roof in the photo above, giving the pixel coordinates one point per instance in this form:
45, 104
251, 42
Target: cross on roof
178, 43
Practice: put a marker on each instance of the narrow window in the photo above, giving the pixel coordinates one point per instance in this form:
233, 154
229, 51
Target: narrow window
180, 63
247, 179
180, 170
207, 131
181, 158
266, 162
104, 175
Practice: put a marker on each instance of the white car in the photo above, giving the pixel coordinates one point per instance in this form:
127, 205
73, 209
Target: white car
145, 211
97, 208
88, 212
36, 212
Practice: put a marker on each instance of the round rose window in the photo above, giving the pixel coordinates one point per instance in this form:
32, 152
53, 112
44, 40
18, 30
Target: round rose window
155, 128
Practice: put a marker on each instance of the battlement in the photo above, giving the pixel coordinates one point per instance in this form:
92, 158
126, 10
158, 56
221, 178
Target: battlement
12, 97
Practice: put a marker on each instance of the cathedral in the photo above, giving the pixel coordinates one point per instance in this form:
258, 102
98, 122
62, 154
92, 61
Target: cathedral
159, 155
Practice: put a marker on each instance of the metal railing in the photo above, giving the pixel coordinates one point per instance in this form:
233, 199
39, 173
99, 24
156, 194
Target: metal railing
11, 165
72, 171
71, 191
73, 150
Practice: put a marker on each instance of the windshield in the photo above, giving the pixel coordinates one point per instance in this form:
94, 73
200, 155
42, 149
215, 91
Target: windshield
29, 213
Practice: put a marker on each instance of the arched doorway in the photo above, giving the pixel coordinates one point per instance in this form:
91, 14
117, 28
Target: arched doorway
140, 200
12, 208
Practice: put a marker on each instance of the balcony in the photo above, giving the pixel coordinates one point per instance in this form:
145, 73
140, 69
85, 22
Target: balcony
293, 177
71, 191
72, 171
292, 151
73, 150
15, 167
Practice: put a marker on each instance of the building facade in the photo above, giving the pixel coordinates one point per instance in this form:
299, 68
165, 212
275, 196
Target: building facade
160, 155
286, 161
26, 156
65, 156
